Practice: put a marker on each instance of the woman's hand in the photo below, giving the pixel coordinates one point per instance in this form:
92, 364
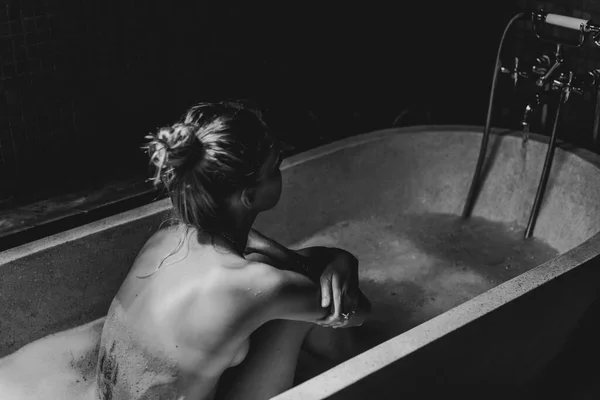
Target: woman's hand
335, 270
339, 289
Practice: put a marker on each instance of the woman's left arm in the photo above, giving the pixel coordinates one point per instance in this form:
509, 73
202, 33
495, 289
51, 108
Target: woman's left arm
335, 270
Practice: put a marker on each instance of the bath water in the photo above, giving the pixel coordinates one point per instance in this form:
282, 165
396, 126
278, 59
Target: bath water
415, 267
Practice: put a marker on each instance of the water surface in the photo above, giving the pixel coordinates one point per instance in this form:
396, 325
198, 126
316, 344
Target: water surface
416, 267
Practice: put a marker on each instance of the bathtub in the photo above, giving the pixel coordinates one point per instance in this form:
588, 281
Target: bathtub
505, 336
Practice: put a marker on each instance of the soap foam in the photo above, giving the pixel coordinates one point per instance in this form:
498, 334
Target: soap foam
419, 266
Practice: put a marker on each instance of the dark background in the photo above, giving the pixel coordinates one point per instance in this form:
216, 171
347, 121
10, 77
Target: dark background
82, 82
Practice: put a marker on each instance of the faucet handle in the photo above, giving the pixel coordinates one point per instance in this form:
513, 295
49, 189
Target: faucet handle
515, 73
571, 83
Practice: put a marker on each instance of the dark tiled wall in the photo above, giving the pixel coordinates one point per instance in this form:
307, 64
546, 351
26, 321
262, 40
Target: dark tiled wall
32, 55
74, 75
81, 82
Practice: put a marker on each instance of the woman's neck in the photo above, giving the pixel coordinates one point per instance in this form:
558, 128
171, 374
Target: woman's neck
236, 234
242, 226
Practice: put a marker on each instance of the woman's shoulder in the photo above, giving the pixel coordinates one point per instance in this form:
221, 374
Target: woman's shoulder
168, 245
237, 286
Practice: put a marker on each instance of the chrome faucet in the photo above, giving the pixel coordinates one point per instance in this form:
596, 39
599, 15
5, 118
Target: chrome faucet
558, 60
539, 101
542, 64
567, 82
515, 73
527, 113
571, 83
596, 130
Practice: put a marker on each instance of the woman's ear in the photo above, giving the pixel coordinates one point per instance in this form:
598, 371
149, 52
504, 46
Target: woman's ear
248, 197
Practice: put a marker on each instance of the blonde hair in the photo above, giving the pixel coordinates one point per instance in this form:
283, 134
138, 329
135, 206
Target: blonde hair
213, 151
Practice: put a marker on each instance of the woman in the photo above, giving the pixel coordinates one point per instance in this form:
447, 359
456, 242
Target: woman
203, 287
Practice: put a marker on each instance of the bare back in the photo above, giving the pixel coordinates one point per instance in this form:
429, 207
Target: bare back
174, 333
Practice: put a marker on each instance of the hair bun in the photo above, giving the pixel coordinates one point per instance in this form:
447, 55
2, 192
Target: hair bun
172, 147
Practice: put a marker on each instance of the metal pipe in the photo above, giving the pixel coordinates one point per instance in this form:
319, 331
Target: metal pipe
596, 129
486, 132
545, 170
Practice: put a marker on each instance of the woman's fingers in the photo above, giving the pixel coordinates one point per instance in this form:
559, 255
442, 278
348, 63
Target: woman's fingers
331, 297
325, 291
334, 294
336, 289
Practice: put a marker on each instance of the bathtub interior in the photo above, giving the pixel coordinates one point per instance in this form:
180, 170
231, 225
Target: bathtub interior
383, 175
425, 176
67, 281
429, 171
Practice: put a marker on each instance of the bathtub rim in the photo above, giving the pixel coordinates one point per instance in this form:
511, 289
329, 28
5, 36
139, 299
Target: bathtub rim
162, 205
369, 362
357, 368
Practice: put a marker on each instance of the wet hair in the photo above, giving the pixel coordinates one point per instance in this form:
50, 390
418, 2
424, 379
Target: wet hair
215, 150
